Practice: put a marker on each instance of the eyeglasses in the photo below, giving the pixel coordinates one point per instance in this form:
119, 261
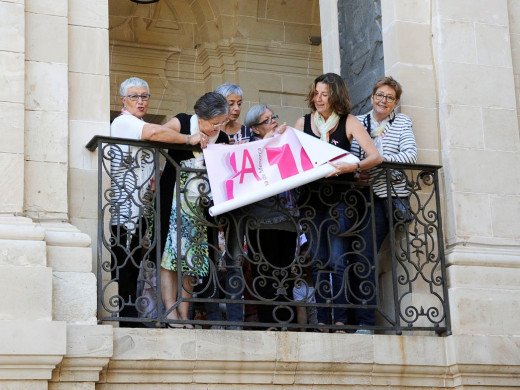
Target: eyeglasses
379, 96
134, 98
219, 125
267, 121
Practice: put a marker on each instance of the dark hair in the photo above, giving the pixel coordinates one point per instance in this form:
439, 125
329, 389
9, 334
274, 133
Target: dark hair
211, 105
254, 114
339, 98
392, 83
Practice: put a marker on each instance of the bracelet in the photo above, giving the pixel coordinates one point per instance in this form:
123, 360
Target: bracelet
358, 170
188, 136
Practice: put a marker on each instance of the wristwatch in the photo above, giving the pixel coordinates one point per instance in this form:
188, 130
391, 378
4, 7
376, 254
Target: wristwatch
188, 136
358, 170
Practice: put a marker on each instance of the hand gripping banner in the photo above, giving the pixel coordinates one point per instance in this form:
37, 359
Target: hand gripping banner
242, 174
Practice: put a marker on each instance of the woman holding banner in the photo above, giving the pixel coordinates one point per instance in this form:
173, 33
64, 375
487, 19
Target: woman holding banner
331, 121
211, 115
271, 235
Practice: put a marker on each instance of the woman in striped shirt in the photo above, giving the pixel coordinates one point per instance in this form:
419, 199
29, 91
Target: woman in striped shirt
393, 136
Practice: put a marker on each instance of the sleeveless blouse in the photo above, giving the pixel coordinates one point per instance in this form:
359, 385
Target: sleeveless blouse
337, 138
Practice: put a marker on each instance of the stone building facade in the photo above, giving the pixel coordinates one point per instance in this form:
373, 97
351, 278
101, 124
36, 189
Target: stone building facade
61, 62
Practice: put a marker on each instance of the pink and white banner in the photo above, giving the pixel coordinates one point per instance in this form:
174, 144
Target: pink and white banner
242, 174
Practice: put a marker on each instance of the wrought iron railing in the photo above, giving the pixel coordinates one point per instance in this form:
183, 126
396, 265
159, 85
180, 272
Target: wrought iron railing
267, 265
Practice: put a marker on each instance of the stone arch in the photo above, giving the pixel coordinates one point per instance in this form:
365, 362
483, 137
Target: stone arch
185, 48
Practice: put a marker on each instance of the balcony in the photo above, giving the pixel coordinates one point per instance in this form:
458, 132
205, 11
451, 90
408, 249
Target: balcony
405, 288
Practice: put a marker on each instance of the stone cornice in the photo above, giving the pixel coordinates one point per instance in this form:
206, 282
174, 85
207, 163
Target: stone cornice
20, 228
28, 367
79, 369
486, 255
291, 358
30, 349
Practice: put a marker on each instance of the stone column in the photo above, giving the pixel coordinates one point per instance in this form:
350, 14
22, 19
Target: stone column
480, 154
12, 63
514, 30
46, 279
71, 247
46, 110
454, 61
31, 344
408, 57
330, 36
89, 106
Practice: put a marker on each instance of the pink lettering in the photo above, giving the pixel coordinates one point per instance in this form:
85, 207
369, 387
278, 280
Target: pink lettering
306, 161
248, 166
233, 162
284, 159
229, 183
229, 189
251, 169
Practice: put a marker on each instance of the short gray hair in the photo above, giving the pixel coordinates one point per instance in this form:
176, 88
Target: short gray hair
227, 89
254, 114
211, 105
132, 82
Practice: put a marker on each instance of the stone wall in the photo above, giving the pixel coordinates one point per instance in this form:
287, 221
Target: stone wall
49, 100
480, 143
460, 93
192, 48
458, 62
514, 31
12, 103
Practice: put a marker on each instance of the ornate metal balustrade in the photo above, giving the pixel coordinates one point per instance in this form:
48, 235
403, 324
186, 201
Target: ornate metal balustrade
309, 249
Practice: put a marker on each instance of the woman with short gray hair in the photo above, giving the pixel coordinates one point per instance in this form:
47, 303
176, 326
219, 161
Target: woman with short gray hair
262, 121
236, 132
131, 187
271, 232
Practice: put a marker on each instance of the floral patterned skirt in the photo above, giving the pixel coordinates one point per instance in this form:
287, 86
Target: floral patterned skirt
192, 232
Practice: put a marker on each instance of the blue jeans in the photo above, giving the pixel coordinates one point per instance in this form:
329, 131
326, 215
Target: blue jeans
329, 253
235, 278
362, 275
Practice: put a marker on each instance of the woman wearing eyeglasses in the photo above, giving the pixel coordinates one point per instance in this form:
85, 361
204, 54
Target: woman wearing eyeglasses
263, 122
211, 113
271, 232
131, 187
135, 96
331, 121
393, 136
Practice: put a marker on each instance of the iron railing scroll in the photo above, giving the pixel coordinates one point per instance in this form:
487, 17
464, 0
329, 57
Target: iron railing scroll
260, 259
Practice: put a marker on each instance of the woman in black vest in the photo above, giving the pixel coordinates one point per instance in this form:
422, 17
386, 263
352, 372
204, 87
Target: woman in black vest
331, 121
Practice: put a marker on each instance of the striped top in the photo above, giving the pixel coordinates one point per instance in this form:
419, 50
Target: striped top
244, 135
398, 146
